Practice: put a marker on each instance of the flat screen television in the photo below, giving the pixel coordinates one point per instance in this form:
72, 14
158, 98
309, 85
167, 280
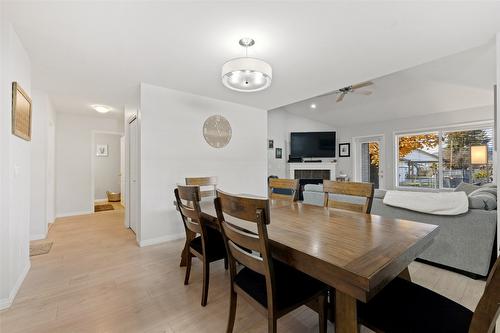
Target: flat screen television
312, 144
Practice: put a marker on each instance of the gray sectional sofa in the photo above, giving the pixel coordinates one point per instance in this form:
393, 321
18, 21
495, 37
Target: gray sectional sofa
465, 242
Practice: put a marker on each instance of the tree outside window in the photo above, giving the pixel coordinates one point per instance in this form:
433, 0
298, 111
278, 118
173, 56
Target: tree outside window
442, 159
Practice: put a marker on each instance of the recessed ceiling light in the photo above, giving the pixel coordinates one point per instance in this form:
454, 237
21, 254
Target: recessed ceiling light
101, 108
313, 106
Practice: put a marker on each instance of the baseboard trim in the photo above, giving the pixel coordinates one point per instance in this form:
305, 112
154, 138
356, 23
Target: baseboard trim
38, 237
159, 240
83, 212
7, 302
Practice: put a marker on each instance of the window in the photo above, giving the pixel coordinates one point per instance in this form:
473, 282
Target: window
442, 159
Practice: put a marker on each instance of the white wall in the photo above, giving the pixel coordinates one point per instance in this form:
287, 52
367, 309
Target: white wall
15, 172
498, 140
388, 128
42, 172
280, 125
74, 133
173, 147
107, 168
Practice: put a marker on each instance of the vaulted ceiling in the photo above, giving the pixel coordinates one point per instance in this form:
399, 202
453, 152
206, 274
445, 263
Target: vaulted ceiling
457, 82
86, 52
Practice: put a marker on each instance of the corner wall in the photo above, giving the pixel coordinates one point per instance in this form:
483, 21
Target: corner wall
42, 158
173, 147
15, 172
498, 140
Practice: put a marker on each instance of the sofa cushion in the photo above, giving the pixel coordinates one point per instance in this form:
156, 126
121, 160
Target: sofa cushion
380, 194
483, 198
466, 187
313, 187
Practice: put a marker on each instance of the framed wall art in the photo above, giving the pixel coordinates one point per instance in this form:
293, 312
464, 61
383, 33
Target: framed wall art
344, 149
21, 112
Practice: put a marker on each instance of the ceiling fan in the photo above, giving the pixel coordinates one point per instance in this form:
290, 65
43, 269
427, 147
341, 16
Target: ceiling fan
352, 89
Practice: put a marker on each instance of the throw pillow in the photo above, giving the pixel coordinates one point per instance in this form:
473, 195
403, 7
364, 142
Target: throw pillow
482, 200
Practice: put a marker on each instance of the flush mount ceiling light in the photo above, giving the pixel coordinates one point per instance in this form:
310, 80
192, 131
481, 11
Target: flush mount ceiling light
101, 108
247, 74
313, 106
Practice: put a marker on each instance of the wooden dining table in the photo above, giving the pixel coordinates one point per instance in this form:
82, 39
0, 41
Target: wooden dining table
357, 254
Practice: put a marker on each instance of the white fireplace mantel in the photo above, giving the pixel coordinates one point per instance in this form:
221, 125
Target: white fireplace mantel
311, 166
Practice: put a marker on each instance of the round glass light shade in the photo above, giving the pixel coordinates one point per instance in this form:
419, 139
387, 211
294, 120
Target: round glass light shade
247, 74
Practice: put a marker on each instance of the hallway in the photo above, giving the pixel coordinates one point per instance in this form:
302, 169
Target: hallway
96, 279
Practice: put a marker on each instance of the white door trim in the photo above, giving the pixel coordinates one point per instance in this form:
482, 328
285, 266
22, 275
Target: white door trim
380, 138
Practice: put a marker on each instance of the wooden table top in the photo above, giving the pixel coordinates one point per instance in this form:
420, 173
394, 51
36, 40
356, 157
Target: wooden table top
356, 253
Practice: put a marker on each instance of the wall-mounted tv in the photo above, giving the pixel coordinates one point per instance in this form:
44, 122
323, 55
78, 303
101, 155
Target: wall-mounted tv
312, 144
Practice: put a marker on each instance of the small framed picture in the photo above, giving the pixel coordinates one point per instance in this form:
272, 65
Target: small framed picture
279, 153
102, 150
270, 144
344, 149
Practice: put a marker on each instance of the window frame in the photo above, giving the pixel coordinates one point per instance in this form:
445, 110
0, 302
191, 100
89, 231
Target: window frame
440, 131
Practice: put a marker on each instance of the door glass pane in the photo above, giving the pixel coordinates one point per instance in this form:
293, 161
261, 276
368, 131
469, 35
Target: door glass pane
457, 163
418, 160
370, 160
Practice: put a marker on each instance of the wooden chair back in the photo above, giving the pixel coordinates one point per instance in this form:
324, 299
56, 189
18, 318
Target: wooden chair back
349, 188
208, 185
188, 203
240, 240
488, 309
286, 184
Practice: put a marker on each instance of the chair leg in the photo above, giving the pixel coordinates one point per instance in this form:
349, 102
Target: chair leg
232, 311
206, 280
272, 324
323, 313
188, 268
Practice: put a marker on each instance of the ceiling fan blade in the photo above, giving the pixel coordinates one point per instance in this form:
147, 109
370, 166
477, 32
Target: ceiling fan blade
363, 92
328, 93
341, 97
362, 84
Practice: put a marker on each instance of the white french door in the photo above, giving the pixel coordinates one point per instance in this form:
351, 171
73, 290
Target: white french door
369, 160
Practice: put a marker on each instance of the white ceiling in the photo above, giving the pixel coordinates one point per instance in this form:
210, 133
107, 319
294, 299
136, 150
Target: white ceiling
86, 52
461, 81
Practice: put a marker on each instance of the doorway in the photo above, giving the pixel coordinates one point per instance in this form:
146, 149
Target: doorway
369, 160
106, 170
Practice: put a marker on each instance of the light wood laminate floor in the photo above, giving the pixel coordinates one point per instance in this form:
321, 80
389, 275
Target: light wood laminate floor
96, 279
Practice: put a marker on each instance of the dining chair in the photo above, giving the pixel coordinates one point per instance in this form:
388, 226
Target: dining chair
271, 286
208, 185
403, 306
353, 189
209, 246
283, 189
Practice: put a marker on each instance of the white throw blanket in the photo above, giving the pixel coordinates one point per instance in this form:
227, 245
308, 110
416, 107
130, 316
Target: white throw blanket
437, 203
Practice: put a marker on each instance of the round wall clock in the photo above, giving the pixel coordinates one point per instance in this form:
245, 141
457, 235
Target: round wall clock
217, 131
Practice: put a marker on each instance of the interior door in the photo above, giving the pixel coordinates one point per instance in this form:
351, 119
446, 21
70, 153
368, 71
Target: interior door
134, 175
369, 160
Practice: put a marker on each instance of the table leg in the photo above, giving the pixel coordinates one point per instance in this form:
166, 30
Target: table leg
185, 251
346, 316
